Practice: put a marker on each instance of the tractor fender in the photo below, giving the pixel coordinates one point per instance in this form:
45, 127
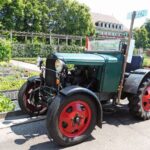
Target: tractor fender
134, 80
77, 89
34, 79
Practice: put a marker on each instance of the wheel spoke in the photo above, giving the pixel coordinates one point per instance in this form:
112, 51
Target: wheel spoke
29, 104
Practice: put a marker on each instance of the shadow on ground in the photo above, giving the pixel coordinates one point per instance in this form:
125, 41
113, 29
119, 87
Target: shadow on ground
119, 116
31, 130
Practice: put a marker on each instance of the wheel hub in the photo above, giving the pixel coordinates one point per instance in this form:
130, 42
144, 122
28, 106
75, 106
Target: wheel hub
75, 118
146, 99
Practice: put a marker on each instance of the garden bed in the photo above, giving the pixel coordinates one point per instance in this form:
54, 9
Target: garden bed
11, 79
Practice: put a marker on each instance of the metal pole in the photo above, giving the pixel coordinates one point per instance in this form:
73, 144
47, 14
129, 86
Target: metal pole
126, 56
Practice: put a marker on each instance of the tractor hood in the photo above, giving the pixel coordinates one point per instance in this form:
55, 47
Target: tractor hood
85, 58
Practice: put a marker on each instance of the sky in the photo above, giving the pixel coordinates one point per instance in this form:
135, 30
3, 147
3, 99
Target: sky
119, 9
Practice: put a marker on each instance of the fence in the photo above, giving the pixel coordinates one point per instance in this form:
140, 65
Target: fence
48, 38
30, 44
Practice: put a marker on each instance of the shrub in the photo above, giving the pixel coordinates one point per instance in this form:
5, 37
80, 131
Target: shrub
34, 50
71, 49
5, 50
31, 50
6, 104
148, 53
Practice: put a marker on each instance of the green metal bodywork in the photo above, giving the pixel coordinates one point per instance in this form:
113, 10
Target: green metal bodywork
109, 66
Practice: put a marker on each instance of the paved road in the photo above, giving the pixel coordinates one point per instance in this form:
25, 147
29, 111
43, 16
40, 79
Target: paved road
120, 132
24, 65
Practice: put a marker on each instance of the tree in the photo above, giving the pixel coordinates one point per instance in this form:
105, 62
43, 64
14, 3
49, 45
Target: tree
141, 37
25, 15
73, 18
147, 26
59, 16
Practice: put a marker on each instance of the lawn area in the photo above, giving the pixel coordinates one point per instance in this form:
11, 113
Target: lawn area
146, 62
28, 60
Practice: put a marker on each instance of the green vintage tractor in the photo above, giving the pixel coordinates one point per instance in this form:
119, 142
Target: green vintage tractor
73, 87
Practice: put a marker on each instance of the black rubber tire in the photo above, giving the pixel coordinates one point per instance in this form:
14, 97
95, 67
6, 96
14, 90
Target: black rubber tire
52, 120
135, 102
22, 104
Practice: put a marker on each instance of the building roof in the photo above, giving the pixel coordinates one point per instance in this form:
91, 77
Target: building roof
105, 18
96, 17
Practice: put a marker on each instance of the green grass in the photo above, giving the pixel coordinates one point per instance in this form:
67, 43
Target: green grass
6, 104
12, 77
10, 83
27, 60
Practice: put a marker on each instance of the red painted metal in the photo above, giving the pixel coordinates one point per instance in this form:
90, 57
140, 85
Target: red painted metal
75, 118
30, 105
146, 99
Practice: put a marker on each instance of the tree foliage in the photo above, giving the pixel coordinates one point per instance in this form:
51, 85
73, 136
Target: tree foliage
59, 16
73, 18
142, 35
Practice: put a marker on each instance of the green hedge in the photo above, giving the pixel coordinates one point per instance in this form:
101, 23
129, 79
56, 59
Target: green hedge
5, 50
71, 49
34, 50
31, 50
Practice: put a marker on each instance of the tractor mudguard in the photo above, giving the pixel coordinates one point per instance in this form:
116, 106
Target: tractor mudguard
76, 89
34, 79
133, 82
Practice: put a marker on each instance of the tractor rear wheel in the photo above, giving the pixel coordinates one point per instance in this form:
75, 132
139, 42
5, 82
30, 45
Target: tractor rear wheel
139, 104
70, 120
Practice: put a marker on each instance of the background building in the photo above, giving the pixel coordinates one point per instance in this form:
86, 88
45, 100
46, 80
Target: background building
108, 26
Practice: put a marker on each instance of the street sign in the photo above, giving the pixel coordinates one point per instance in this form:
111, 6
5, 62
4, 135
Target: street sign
139, 14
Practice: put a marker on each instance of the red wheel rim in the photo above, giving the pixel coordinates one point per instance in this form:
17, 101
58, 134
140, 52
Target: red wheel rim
146, 99
29, 105
75, 118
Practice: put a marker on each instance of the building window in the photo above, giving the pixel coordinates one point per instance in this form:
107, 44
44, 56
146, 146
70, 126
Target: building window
101, 25
96, 23
120, 27
113, 26
116, 26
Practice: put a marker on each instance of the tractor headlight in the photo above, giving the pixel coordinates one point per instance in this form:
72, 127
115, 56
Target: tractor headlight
59, 64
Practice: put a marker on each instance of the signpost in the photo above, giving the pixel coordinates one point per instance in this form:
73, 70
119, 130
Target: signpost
139, 14
132, 16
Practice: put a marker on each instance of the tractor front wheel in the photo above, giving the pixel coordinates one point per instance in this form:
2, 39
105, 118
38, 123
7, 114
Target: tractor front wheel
139, 105
28, 105
70, 120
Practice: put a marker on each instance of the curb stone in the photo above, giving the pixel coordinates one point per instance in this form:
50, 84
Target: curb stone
18, 120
